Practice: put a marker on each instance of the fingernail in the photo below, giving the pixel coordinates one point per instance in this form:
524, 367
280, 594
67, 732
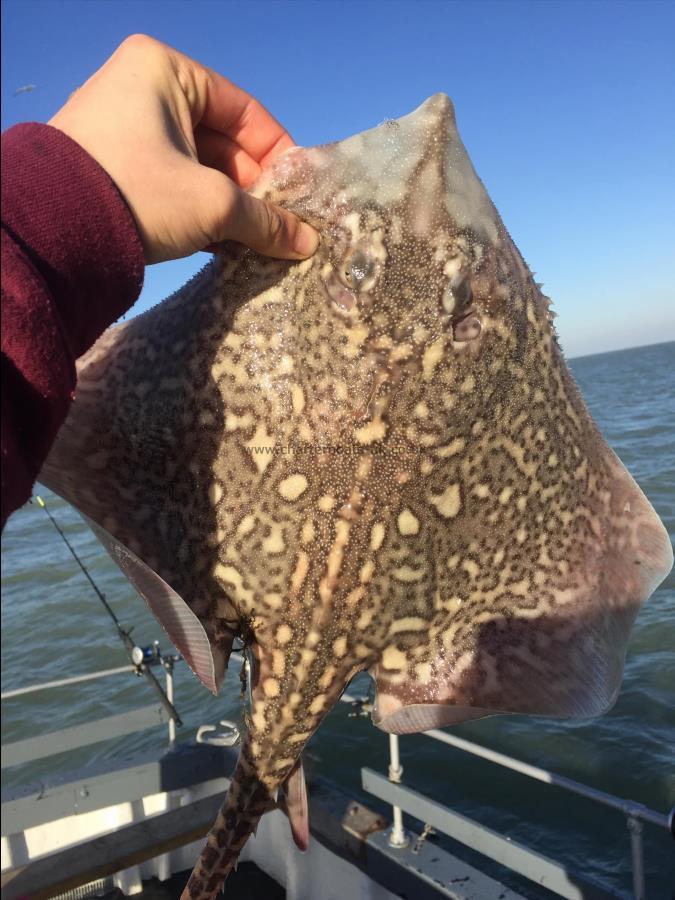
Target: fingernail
306, 240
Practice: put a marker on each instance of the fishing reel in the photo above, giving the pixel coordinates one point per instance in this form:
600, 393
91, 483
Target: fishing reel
148, 656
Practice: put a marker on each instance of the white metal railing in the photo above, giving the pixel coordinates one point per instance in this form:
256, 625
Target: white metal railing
167, 663
76, 679
629, 807
132, 720
635, 813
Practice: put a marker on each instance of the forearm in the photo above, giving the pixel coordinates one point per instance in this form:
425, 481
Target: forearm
72, 264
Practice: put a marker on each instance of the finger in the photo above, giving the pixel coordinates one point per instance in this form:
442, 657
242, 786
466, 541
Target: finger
232, 111
266, 228
222, 153
216, 102
228, 109
263, 145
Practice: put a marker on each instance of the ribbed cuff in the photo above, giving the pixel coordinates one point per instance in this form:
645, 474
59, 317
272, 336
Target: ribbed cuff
66, 213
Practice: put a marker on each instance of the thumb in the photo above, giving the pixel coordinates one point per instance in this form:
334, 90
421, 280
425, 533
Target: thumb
264, 227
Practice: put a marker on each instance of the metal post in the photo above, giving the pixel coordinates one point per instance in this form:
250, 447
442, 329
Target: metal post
168, 668
635, 829
397, 836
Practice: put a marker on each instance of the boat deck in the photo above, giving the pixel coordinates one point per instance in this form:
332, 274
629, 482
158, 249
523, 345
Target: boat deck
133, 822
247, 883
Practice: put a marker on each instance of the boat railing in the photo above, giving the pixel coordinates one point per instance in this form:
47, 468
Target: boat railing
388, 789
503, 850
62, 682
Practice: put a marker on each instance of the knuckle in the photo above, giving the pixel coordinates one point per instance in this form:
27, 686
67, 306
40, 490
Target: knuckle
141, 43
234, 210
136, 40
154, 57
276, 225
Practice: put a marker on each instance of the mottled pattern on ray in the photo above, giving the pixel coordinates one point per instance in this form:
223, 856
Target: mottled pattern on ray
374, 460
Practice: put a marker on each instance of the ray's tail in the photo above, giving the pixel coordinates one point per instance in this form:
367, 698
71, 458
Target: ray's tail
269, 760
250, 795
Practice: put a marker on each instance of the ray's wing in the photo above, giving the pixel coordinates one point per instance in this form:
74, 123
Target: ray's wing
182, 626
520, 637
123, 462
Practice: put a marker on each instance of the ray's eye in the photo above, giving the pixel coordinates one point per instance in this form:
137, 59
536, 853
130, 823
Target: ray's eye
457, 301
457, 296
355, 274
358, 272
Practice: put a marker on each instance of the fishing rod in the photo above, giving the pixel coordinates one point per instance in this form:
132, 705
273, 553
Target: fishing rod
134, 652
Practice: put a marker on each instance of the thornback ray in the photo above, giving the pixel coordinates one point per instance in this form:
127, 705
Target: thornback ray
373, 460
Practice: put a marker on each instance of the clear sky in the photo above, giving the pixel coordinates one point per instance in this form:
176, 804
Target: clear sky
567, 111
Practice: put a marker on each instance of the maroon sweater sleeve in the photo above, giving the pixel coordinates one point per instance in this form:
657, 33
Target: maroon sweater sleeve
72, 263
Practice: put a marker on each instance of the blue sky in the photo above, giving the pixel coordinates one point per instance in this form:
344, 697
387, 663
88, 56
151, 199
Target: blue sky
567, 111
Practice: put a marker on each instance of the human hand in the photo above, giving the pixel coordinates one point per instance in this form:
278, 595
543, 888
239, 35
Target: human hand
182, 143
